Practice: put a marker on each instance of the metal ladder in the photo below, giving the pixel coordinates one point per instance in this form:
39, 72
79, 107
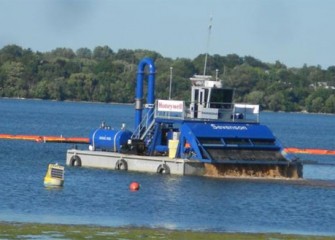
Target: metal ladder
144, 127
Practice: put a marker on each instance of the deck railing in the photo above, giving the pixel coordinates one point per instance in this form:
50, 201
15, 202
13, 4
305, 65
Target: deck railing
229, 112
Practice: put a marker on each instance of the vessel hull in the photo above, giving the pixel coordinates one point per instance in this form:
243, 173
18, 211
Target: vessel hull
178, 166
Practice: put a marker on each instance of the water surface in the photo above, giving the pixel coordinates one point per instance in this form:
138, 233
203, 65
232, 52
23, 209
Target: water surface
98, 196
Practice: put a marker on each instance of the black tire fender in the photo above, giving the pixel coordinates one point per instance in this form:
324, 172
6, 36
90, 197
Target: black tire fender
75, 161
121, 164
163, 169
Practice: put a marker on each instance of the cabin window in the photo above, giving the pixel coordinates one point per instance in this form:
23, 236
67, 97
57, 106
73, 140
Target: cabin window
206, 96
219, 96
196, 95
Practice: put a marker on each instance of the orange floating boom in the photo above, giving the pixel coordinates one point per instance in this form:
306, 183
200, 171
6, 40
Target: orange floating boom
37, 138
61, 139
66, 139
310, 151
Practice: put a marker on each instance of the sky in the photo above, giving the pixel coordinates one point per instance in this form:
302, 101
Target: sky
294, 32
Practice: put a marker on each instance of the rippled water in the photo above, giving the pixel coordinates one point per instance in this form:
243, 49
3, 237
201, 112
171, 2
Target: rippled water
97, 196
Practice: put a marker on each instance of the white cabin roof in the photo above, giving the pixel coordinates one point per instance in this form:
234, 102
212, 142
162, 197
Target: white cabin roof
205, 81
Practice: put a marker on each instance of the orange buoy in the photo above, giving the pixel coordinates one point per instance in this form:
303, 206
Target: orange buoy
134, 186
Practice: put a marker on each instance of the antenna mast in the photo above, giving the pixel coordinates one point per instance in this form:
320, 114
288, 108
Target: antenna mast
208, 38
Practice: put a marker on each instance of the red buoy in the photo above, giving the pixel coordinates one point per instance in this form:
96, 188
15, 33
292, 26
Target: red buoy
134, 186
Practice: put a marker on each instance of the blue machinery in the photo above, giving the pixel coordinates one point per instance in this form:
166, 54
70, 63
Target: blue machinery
139, 89
225, 137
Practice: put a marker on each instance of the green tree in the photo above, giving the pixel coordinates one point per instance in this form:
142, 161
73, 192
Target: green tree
317, 104
14, 86
243, 78
81, 86
63, 53
103, 91
276, 102
57, 89
84, 53
255, 97
233, 60
253, 62
102, 53
330, 104
41, 90
102, 75
10, 53
126, 55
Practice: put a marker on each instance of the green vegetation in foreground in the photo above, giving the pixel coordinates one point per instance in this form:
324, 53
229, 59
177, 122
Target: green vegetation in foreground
32, 230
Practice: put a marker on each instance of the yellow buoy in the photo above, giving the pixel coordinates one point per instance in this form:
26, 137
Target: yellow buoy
54, 176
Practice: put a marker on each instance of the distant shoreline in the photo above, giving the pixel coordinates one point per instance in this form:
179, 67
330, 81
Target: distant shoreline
129, 104
14, 230
73, 101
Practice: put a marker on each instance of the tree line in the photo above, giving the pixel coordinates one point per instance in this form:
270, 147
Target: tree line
103, 75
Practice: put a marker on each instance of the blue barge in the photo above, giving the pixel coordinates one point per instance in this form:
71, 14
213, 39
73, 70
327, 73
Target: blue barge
210, 136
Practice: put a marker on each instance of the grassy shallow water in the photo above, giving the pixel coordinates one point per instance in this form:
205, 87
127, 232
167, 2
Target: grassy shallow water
57, 231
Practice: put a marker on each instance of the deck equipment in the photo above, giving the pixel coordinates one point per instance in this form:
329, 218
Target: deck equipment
210, 135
